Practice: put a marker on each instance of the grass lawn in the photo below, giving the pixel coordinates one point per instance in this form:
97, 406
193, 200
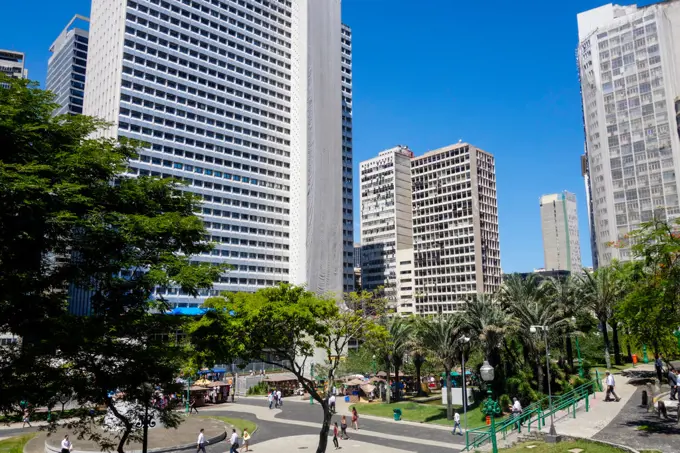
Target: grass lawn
15, 444
562, 447
238, 423
424, 413
602, 367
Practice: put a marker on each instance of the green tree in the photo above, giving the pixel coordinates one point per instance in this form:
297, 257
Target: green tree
394, 349
564, 292
650, 308
441, 336
285, 326
71, 217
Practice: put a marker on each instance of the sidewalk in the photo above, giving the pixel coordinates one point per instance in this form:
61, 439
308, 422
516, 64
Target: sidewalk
308, 442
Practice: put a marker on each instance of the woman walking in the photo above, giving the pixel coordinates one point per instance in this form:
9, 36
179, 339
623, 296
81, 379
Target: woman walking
355, 418
343, 428
246, 439
335, 436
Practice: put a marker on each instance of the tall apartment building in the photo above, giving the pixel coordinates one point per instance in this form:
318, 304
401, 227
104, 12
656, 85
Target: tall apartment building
66, 68
386, 222
629, 69
12, 64
249, 102
455, 227
559, 226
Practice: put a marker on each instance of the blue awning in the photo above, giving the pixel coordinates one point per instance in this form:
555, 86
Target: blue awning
213, 370
187, 311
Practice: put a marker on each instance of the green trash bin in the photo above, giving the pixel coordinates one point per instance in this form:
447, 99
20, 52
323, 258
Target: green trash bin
397, 414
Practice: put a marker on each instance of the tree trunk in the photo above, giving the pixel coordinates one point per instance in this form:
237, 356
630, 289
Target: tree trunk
539, 374
126, 423
325, 427
628, 351
396, 383
570, 355
605, 336
418, 366
615, 339
388, 387
449, 397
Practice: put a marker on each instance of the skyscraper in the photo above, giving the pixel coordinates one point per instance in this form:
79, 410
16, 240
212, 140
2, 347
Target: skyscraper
386, 221
12, 64
66, 67
249, 102
559, 225
629, 73
455, 227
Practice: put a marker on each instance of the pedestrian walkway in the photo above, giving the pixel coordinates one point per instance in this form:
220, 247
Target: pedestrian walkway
309, 442
270, 415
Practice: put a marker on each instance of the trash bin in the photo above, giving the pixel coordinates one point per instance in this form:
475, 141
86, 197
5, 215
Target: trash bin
347, 399
635, 359
397, 414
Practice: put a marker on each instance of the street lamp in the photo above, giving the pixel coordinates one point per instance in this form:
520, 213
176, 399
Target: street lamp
491, 407
188, 395
464, 340
375, 371
534, 329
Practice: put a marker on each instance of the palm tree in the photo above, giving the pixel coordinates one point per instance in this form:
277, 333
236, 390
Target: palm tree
399, 330
564, 291
600, 291
488, 322
440, 335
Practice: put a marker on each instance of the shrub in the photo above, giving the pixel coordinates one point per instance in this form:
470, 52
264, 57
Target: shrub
260, 388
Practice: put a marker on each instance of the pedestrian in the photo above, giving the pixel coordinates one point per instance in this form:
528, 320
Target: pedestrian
331, 403
66, 445
609, 381
234, 442
355, 418
246, 438
270, 398
335, 436
343, 427
200, 442
516, 410
27, 418
658, 365
279, 398
192, 406
673, 382
456, 424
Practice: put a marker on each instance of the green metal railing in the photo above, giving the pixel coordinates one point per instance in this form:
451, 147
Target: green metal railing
536, 414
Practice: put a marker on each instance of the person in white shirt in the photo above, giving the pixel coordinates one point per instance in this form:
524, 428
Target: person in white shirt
516, 410
456, 423
66, 445
331, 403
200, 442
234, 442
278, 398
270, 399
609, 382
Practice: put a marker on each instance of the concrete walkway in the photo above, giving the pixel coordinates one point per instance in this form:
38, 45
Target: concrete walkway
308, 442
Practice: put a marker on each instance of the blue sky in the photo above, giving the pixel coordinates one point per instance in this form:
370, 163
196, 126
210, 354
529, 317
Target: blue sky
500, 75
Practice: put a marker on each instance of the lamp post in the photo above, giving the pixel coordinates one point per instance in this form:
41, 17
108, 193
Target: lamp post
186, 409
491, 407
534, 329
578, 352
464, 340
375, 365
311, 374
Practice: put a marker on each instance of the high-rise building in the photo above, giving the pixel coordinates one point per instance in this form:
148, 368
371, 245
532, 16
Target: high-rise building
249, 102
559, 225
12, 64
66, 67
386, 222
357, 255
629, 69
455, 227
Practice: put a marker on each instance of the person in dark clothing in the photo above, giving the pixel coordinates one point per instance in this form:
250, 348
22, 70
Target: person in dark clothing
658, 365
673, 382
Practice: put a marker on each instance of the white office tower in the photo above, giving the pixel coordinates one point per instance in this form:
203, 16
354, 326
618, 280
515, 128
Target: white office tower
455, 227
559, 225
66, 68
629, 68
387, 226
243, 100
12, 64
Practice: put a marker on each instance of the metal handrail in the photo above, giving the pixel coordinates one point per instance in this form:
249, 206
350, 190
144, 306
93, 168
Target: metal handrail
535, 413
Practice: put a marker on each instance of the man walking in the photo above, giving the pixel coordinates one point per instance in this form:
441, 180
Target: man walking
279, 398
270, 398
200, 443
609, 382
456, 424
234, 442
673, 382
658, 365
331, 403
516, 410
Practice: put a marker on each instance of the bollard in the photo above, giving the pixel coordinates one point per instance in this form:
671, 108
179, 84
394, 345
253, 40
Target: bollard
645, 398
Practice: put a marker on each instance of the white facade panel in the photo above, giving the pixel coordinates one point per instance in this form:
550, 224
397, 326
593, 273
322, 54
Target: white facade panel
559, 227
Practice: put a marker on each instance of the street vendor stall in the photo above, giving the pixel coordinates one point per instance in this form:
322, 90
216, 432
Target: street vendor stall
285, 382
198, 394
353, 391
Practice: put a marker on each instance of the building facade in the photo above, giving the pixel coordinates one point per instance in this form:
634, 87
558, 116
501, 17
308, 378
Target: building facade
455, 227
629, 69
386, 219
559, 227
248, 103
12, 64
66, 68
